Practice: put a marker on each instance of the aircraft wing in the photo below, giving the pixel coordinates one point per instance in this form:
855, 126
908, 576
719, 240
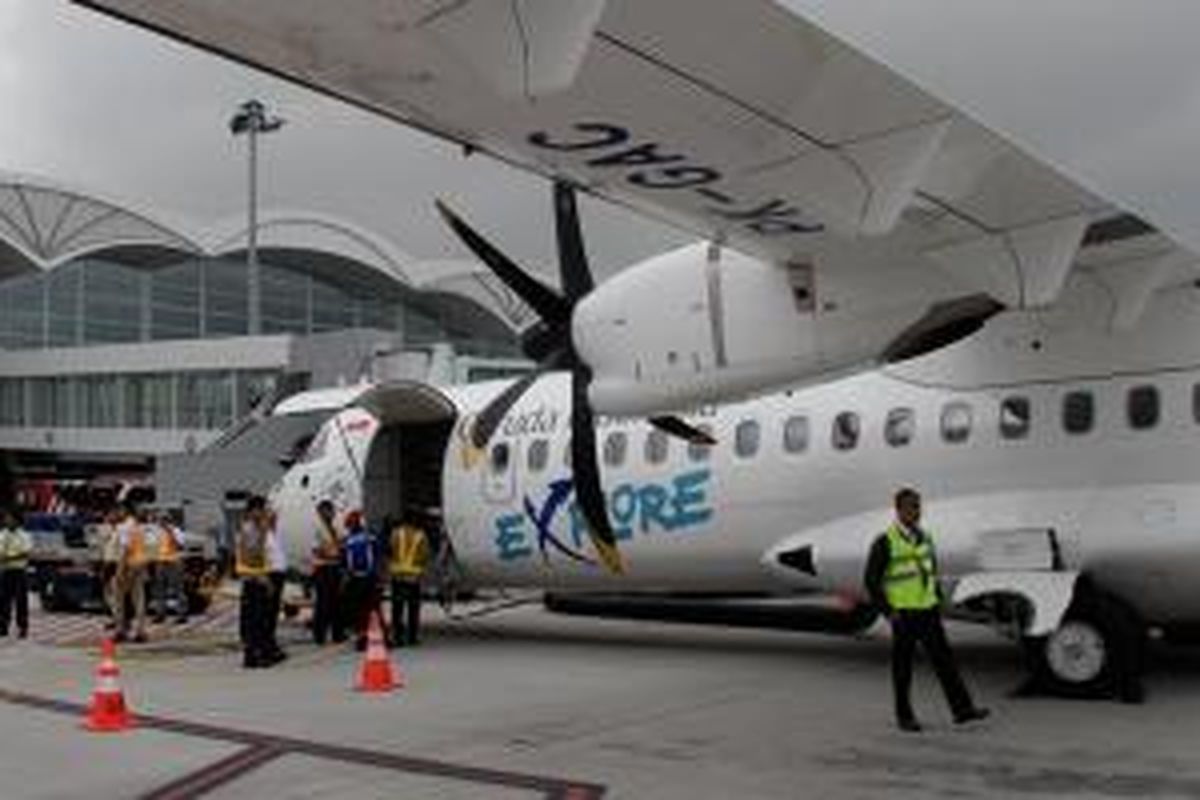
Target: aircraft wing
741, 121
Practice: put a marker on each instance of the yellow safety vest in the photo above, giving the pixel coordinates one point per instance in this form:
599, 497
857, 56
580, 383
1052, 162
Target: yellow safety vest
135, 550
328, 550
168, 549
14, 549
910, 582
410, 551
251, 552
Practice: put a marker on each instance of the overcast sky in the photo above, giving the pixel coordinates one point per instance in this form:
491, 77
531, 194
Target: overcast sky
1110, 89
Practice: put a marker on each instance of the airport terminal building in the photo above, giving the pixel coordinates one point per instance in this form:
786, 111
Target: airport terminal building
123, 338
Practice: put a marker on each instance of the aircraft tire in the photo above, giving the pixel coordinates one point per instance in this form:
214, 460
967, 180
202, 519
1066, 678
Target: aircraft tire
1096, 652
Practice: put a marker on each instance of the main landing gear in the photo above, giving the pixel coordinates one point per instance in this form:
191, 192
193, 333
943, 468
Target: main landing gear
1097, 651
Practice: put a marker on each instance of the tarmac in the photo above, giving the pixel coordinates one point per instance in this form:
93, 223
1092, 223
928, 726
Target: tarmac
527, 704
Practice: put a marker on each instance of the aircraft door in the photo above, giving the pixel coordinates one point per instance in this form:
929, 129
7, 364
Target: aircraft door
500, 472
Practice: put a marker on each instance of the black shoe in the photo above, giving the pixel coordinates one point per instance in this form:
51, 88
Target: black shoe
23, 635
140, 638
120, 636
360, 645
909, 725
971, 715
252, 663
181, 620
160, 620
276, 657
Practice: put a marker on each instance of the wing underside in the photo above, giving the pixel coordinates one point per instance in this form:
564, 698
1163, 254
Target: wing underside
741, 121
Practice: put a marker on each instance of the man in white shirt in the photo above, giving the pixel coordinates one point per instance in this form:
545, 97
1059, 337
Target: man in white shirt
15, 546
277, 572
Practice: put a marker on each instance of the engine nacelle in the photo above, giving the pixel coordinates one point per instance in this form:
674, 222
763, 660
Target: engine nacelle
703, 324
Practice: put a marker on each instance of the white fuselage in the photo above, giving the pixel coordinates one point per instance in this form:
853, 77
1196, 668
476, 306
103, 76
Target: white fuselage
1119, 486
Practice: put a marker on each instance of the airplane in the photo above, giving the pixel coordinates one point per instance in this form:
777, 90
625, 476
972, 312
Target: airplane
1056, 454
852, 222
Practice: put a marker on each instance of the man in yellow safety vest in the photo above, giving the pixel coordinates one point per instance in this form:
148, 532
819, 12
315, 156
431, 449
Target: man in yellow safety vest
409, 553
254, 571
328, 614
902, 580
15, 546
168, 571
131, 575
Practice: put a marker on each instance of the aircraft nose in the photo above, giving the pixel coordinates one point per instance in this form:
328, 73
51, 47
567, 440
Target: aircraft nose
801, 559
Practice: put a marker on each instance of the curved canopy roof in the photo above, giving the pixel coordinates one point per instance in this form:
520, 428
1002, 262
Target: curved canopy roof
43, 226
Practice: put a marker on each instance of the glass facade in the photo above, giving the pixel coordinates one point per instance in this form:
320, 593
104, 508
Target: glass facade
93, 301
208, 400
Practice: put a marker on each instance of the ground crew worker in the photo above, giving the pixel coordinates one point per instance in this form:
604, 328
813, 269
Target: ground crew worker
110, 558
902, 580
168, 571
409, 549
15, 546
251, 566
131, 576
277, 576
328, 618
362, 578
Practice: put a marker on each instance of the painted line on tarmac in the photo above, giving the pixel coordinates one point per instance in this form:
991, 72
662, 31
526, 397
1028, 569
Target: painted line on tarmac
213, 776
262, 745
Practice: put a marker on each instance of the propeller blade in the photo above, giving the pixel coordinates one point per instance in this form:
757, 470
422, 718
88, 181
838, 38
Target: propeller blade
677, 427
586, 469
494, 412
548, 304
572, 260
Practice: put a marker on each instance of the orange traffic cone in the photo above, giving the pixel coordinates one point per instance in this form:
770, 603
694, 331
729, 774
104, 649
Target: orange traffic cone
376, 674
107, 712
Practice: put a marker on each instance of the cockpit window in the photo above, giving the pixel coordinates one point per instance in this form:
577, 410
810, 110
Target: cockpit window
316, 448
499, 458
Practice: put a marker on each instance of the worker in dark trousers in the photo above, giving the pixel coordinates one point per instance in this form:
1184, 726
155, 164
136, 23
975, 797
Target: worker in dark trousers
328, 618
15, 546
362, 577
408, 547
277, 577
252, 569
902, 580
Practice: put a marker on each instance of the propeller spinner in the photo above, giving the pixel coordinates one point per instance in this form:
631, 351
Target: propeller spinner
551, 346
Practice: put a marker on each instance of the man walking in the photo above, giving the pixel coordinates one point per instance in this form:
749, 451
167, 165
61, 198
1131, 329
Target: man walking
902, 580
15, 546
409, 548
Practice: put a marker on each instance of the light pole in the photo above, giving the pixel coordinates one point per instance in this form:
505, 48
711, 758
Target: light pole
252, 119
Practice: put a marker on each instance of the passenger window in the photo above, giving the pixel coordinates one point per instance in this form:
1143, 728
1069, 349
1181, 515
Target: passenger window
746, 438
846, 427
1142, 407
538, 455
1015, 416
956, 422
1078, 412
795, 435
700, 452
615, 445
900, 427
658, 446
499, 458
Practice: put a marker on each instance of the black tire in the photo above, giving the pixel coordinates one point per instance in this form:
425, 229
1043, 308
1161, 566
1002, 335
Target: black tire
1096, 652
